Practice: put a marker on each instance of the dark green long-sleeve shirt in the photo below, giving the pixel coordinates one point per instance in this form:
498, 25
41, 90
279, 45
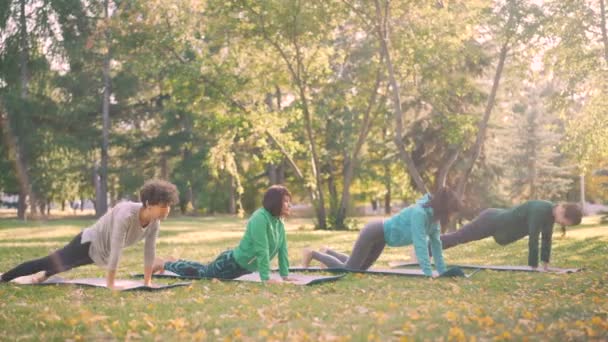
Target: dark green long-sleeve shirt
263, 240
532, 218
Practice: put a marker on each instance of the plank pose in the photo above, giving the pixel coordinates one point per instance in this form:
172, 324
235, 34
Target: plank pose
532, 218
264, 238
418, 224
103, 242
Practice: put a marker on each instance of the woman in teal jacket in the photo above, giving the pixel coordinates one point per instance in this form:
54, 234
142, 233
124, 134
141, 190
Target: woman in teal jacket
264, 238
417, 224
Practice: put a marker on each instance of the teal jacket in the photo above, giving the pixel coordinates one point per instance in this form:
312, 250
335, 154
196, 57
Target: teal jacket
415, 225
263, 240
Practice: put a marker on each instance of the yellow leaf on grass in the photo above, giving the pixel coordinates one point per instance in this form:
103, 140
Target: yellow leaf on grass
177, 324
450, 316
486, 321
200, 335
414, 315
504, 336
237, 333
540, 327
590, 332
456, 334
528, 315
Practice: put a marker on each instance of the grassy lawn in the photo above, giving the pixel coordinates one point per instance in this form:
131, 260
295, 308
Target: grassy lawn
488, 306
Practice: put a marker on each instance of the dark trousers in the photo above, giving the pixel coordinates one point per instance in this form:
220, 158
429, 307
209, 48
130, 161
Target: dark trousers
223, 267
477, 229
367, 250
72, 255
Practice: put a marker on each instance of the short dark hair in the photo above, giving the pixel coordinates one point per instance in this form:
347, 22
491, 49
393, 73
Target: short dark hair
157, 191
444, 203
273, 199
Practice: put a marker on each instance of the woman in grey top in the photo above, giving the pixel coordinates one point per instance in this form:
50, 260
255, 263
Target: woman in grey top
102, 243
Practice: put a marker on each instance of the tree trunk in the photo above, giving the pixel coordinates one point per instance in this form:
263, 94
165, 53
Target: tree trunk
102, 195
320, 200
15, 149
532, 169
387, 185
232, 199
382, 32
603, 28
18, 161
164, 166
582, 178
483, 124
273, 170
351, 160
445, 168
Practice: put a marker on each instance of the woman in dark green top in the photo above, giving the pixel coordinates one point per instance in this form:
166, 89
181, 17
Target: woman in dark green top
264, 238
532, 218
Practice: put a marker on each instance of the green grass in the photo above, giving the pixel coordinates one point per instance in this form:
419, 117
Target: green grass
490, 305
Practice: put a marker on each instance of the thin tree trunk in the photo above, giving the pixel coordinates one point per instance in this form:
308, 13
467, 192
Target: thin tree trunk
352, 158
164, 166
387, 185
532, 169
403, 153
483, 124
19, 150
604, 35
445, 168
12, 144
232, 197
102, 195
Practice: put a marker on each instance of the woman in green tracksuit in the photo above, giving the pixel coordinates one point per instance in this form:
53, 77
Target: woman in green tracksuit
264, 238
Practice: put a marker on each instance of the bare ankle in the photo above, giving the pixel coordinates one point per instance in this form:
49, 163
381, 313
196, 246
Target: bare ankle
306, 257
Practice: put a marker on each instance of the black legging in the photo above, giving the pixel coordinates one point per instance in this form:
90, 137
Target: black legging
72, 255
477, 229
367, 250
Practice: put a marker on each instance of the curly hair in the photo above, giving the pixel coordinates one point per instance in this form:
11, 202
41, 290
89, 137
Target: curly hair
156, 191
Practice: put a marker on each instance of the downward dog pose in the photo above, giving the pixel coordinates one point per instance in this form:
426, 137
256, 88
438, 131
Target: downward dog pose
417, 224
102, 243
264, 238
532, 218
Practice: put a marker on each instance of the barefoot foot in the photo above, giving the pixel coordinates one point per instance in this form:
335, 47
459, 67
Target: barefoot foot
158, 266
306, 257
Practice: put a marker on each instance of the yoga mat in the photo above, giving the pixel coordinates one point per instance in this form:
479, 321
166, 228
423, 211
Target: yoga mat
495, 267
126, 285
383, 271
299, 279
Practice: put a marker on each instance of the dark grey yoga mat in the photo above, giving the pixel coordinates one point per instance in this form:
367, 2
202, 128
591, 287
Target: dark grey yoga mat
125, 285
397, 265
299, 279
382, 271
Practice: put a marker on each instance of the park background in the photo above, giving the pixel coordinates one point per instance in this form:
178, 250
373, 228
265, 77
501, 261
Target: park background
358, 107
